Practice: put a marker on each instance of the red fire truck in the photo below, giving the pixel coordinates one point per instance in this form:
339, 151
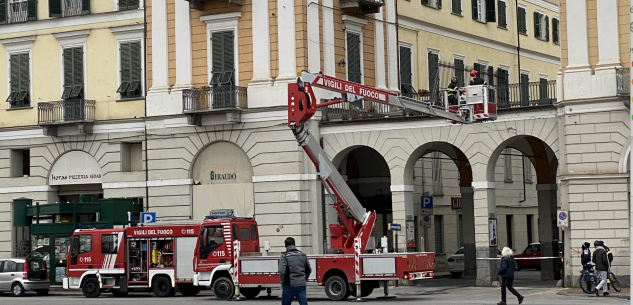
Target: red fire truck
154, 258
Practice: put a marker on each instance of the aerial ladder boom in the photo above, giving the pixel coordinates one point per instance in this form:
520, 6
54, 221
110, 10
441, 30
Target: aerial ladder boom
302, 105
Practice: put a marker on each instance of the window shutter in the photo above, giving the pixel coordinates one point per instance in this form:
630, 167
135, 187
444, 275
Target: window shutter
132, 4
491, 14
522, 22
425, 2
474, 9
491, 75
216, 52
24, 72
54, 8
78, 66
502, 14
15, 72
32, 9
3, 11
459, 72
68, 73
122, 5
228, 53
439, 4
135, 61
477, 67
434, 78
85, 7
125, 62
457, 7
405, 66
537, 25
546, 28
555, 31
353, 57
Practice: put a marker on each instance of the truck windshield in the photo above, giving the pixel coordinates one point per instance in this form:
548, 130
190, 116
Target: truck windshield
211, 238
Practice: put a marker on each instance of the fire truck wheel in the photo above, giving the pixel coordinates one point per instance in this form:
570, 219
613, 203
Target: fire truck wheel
366, 289
223, 288
162, 287
118, 293
189, 290
250, 293
90, 288
17, 290
336, 288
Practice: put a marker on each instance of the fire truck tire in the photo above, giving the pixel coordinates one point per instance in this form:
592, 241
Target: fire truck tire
250, 293
336, 288
90, 288
17, 290
118, 293
189, 290
366, 289
162, 287
223, 288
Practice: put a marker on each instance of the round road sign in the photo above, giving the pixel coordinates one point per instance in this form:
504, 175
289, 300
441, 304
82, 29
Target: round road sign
562, 216
427, 218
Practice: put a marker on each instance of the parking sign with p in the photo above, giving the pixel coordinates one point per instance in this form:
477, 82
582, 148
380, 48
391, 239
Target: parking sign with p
148, 217
427, 205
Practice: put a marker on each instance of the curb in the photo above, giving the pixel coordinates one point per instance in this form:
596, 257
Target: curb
567, 292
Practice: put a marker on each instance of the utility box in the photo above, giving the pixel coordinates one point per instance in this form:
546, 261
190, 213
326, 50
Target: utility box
19, 212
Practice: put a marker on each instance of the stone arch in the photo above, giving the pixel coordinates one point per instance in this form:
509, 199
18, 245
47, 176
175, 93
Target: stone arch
223, 179
448, 149
540, 154
624, 165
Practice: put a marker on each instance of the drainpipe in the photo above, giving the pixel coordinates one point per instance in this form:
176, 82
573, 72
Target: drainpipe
523, 169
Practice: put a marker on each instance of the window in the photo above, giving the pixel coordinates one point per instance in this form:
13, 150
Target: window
527, 168
223, 58
439, 236
406, 77
484, 10
73, 73
109, 244
530, 220
14, 11
433, 3
354, 73
541, 26
437, 173
128, 4
543, 89
509, 231
490, 76
245, 235
131, 157
65, 8
460, 71
10, 266
524, 85
532, 248
253, 232
20, 163
235, 232
19, 80
456, 7
211, 238
130, 70
522, 19
555, 31
507, 165
434, 73
460, 232
83, 244
502, 15
460, 251
482, 70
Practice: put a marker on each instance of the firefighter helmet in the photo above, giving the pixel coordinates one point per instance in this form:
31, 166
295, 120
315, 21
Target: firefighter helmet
473, 73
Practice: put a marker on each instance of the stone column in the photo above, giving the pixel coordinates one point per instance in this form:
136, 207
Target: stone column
484, 209
401, 206
468, 229
392, 46
184, 54
261, 44
286, 41
548, 231
379, 50
314, 46
160, 71
578, 55
608, 43
329, 61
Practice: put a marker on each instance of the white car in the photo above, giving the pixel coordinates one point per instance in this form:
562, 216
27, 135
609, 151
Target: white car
455, 262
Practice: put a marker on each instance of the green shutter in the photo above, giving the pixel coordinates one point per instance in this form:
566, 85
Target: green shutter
474, 9
460, 72
354, 73
425, 2
405, 67
217, 53
15, 72
502, 14
537, 25
434, 77
555, 31
54, 8
73, 73
477, 67
128, 4
522, 20
457, 7
125, 69
85, 7
3, 11
546, 28
68, 73
491, 75
228, 55
136, 65
491, 14
78, 71
32, 9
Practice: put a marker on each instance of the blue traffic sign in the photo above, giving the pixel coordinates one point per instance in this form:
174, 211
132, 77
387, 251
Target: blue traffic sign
148, 217
427, 202
562, 216
395, 227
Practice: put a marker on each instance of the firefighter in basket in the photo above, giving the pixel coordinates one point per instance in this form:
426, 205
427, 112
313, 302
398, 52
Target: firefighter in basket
475, 79
452, 91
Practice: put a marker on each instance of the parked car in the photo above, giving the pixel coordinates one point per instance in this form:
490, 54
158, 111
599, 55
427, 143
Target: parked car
18, 275
532, 257
455, 262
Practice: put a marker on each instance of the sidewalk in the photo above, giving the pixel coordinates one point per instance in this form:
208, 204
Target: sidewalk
624, 294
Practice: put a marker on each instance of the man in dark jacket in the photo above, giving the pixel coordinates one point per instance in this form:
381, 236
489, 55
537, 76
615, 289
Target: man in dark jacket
475, 79
294, 270
452, 91
585, 257
602, 266
506, 271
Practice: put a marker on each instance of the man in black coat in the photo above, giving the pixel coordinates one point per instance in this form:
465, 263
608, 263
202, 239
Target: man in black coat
601, 262
506, 271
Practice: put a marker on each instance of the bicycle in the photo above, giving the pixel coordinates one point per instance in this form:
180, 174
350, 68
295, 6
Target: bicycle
612, 280
587, 280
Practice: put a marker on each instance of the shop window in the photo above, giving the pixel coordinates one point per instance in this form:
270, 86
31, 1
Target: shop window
109, 244
20, 163
244, 234
253, 232
131, 157
211, 239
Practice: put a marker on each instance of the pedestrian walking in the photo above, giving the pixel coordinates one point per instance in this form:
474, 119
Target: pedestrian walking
601, 262
294, 270
506, 271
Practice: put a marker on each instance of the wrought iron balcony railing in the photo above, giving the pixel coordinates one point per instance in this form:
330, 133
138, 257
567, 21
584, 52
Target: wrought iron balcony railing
213, 98
623, 75
18, 11
523, 95
65, 111
72, 7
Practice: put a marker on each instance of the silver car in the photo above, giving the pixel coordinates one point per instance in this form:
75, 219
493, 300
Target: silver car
18, 275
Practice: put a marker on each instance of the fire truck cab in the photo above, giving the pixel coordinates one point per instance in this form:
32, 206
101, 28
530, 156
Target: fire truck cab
143, 258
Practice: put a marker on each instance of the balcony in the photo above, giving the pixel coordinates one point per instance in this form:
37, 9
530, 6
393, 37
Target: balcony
623, 77
73, 111
199, 4
18, 11
513, 96
72, 7
366, 6
221, 98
